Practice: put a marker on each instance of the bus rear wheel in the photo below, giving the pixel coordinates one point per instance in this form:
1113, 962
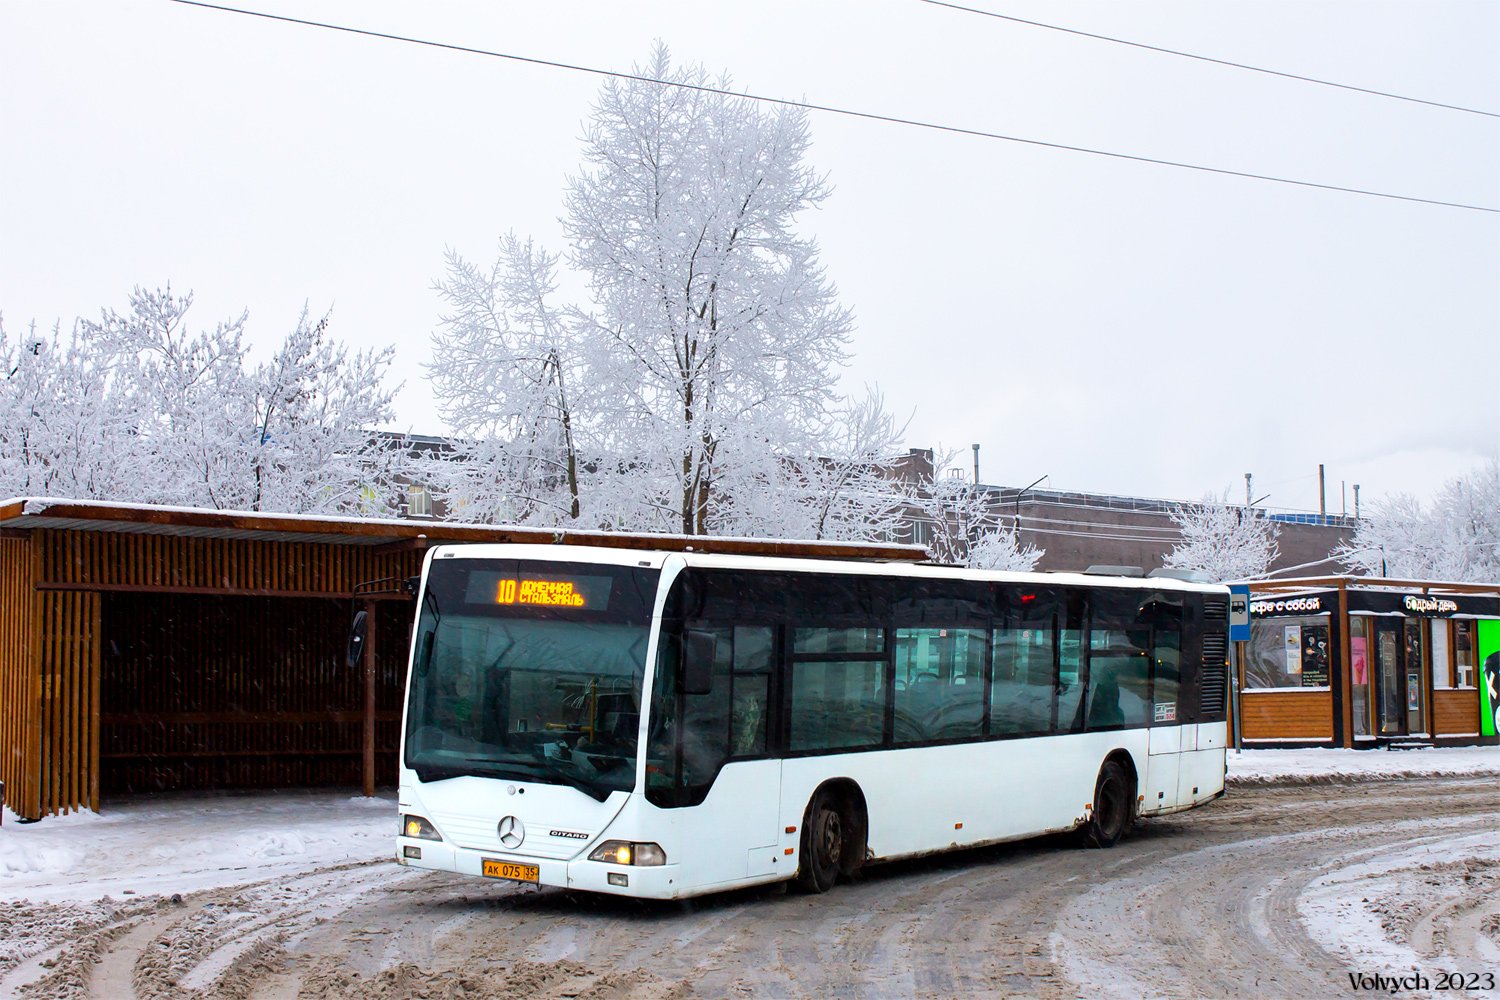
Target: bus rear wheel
1113, 808
823, 836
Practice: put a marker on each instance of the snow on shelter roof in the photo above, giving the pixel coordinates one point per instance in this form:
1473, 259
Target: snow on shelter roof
193, 522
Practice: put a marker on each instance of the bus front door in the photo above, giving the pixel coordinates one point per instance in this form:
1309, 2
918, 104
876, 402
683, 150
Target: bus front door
732, 833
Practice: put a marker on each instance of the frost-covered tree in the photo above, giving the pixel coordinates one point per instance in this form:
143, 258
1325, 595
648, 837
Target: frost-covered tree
315, 404
1456, 537
693, 389
1222, 540
509, 368
848, 490
724, 328
64, 430
187, 395
138, 407
964, 527
1000, 548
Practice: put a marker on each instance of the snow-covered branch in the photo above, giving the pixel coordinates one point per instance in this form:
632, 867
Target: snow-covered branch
1456, 537
1222, 540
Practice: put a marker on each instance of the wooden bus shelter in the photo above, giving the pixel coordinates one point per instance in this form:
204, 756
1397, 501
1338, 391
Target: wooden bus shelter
152, 648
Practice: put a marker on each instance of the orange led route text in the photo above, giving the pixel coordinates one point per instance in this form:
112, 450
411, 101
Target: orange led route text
555, 592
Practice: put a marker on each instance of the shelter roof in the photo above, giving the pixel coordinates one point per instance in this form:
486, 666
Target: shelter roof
22, 513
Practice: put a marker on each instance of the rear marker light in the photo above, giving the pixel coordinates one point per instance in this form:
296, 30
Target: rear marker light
418, 828
787, 851
412, 852
618, 878
791, 829
621, 852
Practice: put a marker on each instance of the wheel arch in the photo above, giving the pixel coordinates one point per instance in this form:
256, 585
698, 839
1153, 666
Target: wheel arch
856, 843
1126, 760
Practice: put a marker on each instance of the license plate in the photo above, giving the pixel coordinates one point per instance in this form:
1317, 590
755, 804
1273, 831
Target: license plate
504, 869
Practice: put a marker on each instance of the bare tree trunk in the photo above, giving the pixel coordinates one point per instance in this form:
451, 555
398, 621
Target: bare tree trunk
567, 425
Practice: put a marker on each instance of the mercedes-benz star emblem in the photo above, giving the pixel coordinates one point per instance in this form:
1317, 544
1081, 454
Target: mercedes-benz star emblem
511, 832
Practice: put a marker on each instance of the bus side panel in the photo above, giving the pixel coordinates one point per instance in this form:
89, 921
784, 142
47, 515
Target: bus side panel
925, 799
732, 834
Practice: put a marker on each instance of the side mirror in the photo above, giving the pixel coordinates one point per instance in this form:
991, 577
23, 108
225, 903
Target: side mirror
357, 639
698, 652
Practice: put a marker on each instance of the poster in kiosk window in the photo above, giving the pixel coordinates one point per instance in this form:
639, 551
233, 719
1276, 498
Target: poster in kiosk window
1315, 656
1489, 677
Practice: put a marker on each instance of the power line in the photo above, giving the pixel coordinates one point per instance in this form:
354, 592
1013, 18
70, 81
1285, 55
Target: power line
829, 109
1210, 59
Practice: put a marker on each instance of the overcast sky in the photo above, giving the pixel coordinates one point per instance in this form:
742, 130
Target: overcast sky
1119, 327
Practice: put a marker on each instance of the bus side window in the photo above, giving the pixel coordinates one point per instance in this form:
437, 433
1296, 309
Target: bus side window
749, 712
705, 717
1168, 657
838, 686
1070, 666
1021, 688
939, 684
1119, 677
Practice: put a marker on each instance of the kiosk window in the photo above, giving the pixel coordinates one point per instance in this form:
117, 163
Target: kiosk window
1288, 653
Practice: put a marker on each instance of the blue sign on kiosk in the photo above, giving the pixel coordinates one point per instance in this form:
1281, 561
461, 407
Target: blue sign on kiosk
1239, 612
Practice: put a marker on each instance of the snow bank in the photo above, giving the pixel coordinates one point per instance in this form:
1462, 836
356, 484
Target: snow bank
183, 843
22, 854
1337, 766
18, 856
1367, 909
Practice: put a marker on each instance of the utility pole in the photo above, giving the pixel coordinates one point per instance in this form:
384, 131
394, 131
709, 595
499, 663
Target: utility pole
1343, 499
976, 466
1322, 505
1248, 494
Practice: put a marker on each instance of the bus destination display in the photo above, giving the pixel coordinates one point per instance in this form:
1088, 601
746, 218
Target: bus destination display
586, 593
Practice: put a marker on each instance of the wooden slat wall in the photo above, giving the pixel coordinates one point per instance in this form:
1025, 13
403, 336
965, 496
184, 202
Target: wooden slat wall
1455, 713
1287, 715
93, 685
213, 692
19, 684
166, 561
69, 706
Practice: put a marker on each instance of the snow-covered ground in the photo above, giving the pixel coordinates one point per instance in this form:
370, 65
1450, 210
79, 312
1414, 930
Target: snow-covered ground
1345, 766
1431, 903
182, 843
159, 845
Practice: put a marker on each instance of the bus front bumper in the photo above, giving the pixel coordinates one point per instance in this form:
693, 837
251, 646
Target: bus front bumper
647, 882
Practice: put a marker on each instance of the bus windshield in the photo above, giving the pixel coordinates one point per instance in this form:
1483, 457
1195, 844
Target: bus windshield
530, 671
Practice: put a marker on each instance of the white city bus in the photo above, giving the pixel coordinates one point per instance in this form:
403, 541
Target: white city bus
670, 724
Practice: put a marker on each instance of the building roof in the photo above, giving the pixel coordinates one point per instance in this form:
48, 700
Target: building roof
1309, 583
21, 513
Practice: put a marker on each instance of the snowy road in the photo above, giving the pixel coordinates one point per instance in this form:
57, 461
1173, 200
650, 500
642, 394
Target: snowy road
1272, 891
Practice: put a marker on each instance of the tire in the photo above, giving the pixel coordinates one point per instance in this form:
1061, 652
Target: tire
824, 829
1114, 808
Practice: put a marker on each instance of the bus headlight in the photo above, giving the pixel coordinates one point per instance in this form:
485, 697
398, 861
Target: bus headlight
416, 826
622, 852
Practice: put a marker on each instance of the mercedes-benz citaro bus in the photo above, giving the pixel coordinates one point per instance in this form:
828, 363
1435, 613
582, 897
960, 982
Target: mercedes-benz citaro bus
668, 724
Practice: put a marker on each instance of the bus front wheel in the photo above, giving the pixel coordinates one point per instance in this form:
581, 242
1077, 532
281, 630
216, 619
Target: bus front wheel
1113, 808
823, 837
